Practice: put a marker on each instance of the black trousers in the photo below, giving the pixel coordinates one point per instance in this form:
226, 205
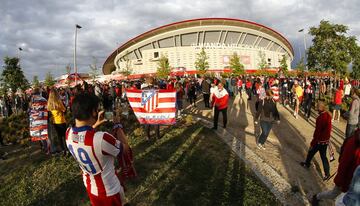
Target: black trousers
206, 100
60, 131
307, 106
192, 99
148, 128
248, 91
216, 117
322, 149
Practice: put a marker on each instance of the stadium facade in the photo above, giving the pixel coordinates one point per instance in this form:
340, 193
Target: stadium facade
182, 41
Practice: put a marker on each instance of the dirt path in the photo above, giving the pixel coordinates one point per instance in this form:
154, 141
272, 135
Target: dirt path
286, 146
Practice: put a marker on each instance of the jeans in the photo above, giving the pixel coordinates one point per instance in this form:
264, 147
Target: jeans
216, 117
307, 106
265, 130
322, 149
350, 129
352, 197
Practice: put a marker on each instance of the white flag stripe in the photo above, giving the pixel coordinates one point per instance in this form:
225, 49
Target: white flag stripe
38, 133
161, 95
39, 122
160, 105
167, 95
155, 115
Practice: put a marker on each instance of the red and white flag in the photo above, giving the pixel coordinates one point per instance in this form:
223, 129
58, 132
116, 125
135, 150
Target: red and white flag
153, 106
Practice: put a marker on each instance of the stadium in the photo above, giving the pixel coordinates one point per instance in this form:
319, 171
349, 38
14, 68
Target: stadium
180, 42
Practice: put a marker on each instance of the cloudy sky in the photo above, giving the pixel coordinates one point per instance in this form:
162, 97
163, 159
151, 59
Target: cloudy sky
45, 28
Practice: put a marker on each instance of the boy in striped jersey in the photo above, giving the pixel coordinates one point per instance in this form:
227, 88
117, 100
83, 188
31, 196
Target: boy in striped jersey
95, 152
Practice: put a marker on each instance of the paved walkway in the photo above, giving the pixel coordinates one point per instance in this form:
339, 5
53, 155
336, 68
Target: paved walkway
286, 146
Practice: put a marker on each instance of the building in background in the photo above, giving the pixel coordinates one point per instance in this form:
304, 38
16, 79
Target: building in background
182, 41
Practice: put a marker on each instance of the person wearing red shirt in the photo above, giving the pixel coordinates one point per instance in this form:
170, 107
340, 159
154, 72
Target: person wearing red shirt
349, 160
220, 102
248, 85
239, 86
337, 103
320, 139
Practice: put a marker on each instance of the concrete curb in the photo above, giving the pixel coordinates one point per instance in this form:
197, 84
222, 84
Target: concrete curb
272, 179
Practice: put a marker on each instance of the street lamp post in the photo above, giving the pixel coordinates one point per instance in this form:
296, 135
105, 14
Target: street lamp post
302, 30
75, 66
19, 52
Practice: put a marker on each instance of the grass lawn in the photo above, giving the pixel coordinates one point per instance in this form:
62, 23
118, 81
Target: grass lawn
189, 165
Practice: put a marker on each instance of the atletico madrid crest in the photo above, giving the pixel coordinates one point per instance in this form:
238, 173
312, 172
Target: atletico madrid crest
149, 100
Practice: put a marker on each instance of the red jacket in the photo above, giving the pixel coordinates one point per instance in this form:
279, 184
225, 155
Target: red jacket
349, 160
322, 129
248, 85
220, 100
338, 97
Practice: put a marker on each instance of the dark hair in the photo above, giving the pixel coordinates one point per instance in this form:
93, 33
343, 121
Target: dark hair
83, 105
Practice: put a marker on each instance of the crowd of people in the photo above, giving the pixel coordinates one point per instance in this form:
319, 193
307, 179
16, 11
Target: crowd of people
266, 93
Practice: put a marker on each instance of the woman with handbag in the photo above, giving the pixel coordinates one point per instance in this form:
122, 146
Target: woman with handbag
267, 113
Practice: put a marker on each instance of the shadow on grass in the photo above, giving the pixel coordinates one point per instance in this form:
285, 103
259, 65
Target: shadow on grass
195, 168
71, 192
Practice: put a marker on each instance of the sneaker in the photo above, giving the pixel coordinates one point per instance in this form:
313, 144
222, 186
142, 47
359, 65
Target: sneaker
315, 201
303, 164
326, 177
260, 146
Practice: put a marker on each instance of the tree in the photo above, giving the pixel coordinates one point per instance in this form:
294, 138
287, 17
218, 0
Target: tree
12, 76
283, 64
127, 69
262, 60
332, 49
94, 71
163, 70
35, 82
201, 63
356, 65
49, 80
236, 66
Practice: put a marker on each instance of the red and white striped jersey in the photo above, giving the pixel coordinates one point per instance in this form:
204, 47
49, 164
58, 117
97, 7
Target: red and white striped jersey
95, 152
309, 90
276, 91
239, 83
